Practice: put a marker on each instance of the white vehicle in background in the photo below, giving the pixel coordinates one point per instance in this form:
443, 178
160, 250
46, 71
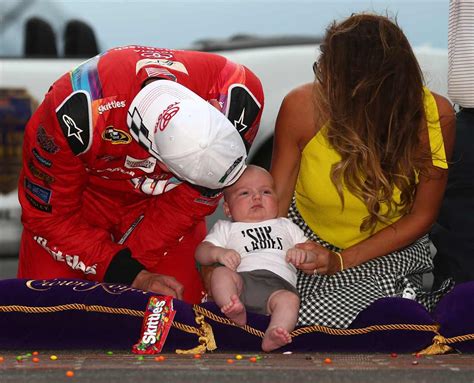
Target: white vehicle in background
280, 63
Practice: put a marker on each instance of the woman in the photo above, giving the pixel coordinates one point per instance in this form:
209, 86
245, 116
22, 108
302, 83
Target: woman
360, 164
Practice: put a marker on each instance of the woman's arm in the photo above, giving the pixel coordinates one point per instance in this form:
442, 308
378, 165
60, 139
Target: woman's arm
406, 230
294, 128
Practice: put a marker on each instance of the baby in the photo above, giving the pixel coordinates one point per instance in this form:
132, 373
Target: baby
257, 250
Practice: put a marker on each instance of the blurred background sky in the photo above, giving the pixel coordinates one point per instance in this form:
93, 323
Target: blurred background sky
178, 23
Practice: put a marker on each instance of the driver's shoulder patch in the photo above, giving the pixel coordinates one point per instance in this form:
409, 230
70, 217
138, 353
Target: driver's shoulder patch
74, 117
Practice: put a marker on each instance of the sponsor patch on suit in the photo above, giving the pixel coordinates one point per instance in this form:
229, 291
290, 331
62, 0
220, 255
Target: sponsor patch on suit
116, 136
46, 141
145, 164
47, 208
43, 161
48, 179
74, 117
42, 193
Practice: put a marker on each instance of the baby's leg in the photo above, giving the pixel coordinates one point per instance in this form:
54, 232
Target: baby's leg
226, 286
283, 306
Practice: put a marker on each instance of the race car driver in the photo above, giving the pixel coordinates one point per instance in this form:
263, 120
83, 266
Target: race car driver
124, 159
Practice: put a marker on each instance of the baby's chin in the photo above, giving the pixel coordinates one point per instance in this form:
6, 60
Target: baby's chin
258, 217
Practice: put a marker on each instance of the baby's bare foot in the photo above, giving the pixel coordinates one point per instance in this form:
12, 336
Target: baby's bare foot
235, 310
274, 338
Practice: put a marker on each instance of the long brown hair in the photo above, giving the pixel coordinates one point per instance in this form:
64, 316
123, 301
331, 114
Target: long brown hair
371, 86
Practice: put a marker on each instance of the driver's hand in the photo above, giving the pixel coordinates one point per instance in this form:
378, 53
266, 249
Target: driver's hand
159, 284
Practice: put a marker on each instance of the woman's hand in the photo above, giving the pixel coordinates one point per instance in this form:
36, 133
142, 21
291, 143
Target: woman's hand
324, 262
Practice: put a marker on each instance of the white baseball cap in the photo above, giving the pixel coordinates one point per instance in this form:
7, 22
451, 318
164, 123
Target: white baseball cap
190, 136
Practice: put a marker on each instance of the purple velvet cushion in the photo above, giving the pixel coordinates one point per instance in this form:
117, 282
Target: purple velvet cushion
388, 325
455, 314
72, 314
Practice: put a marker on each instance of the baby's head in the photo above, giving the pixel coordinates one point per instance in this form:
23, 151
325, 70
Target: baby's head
252, 198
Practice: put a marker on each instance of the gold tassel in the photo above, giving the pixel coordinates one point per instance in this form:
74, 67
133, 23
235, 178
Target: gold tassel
201, 349
438, 347
208, 335
206, 340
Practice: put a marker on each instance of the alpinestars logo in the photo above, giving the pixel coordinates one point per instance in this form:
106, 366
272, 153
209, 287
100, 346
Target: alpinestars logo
72, 129
74, 117
239, 124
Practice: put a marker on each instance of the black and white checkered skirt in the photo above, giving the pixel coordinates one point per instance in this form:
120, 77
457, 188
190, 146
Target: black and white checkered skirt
335, 300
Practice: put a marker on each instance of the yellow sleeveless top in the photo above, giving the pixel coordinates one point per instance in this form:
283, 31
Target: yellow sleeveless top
317, 199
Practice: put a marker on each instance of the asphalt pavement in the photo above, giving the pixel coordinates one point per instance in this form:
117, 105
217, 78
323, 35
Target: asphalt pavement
121, 366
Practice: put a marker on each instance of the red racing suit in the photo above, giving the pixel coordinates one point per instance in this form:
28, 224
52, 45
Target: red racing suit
89, 191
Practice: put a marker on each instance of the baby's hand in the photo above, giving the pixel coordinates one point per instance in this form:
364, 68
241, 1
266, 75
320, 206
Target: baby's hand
296, 256
229, 258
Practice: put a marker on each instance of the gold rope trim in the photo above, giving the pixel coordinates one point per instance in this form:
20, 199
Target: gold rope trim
186, 328
460, 338
219, 319
365, 330
72, 306
323, 329
90, 308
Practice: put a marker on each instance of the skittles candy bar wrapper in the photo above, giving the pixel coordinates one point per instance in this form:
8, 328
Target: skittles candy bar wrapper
157, 322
